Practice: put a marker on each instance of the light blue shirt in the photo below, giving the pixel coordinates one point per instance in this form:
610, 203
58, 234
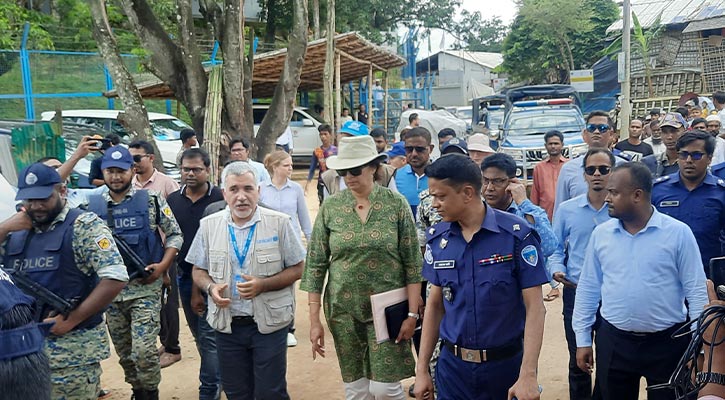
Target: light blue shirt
410, 184
574, 223
289, 200
571, 181
642, 280
76, 197
262, 174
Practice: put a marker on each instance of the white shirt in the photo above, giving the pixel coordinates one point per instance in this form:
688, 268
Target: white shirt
286, 138
719, 155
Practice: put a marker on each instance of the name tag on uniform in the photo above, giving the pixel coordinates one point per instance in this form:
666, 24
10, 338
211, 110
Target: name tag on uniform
445, 264
671, 203
495, 259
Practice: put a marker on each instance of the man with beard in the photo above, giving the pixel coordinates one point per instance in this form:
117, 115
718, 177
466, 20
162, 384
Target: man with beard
247, 258
71, 253
672, 127
639, 268
694, 196
573, 225
411, 180
597, 133
546, 173
655, 138
136, 216
713, 127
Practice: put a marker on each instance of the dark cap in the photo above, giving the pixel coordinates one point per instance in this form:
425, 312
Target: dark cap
36, 182
455, 145
674, 120
654, 111
118, 157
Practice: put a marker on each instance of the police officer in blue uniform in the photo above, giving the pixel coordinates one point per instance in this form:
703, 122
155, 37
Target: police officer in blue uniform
486, 271
694, 196
718, 170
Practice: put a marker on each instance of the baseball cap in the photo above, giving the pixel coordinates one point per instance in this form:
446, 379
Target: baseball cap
118, 157
480, 142
354, 128
397, 150
455, 145
36, 182
674, 120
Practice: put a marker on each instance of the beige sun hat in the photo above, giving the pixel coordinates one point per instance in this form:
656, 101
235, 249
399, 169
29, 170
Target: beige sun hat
480, 142
354, 152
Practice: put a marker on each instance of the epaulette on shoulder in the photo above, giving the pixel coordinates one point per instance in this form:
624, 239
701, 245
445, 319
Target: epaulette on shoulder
721, 183
661, 179
436, 230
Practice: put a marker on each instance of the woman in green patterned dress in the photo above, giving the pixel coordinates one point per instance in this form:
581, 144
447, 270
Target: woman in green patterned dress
364, 242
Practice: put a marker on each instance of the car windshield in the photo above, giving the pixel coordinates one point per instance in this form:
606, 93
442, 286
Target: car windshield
495, 118
168, 129
464, 113
539, 123
314, 115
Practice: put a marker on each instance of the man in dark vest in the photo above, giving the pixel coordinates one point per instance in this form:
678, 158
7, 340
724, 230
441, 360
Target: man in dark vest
72, 254
137, 217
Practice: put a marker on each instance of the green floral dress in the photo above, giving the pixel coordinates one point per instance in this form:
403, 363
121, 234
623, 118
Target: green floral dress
362, 259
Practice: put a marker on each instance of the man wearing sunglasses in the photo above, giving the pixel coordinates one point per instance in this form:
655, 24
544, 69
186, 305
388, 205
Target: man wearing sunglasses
574, 223
598, 133
694, 196
672, 127
146, 176
411, 179
138, 217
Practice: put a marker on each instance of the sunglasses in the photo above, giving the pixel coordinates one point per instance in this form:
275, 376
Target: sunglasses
357, 171
418, 149
696, 155
138, 157
597, 127
603, 169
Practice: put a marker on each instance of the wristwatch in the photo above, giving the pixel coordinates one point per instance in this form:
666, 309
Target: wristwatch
414, 315
710, 377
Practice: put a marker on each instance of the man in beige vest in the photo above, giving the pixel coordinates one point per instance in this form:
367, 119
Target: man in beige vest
247, 258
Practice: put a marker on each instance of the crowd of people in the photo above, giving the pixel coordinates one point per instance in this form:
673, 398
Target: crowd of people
624, 234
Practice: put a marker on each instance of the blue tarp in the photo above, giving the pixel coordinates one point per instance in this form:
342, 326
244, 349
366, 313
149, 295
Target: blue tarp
606, 87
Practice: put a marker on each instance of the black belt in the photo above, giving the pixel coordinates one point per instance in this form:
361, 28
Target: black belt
663, 333
480, 356
244, 320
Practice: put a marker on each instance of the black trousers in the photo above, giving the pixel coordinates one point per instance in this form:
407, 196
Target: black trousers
580, 383
169, 333
623, 358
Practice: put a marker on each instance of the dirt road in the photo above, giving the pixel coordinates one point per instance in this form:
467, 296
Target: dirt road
320, 379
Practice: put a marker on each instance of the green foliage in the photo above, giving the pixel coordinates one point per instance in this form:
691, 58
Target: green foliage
551, 37
474, 33
12, 19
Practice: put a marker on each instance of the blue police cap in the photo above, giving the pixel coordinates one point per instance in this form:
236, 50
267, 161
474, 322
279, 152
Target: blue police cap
36, 182
118, 157
23, 340
354, 128
397, 150
455, 145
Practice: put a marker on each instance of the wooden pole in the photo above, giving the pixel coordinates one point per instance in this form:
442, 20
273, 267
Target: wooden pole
626, 108
338, 95
370, 96
385, 103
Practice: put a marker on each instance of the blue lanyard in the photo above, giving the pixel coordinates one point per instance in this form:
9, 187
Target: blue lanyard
243, 256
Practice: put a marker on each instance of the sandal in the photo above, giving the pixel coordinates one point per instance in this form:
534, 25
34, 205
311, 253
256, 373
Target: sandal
553, 295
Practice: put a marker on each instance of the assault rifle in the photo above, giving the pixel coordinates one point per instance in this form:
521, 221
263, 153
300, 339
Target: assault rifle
135, 266
44, 297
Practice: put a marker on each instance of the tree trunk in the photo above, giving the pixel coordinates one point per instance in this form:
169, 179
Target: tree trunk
134, 116
179, 66
280, 111
248, 109
270, 31
316, 18
232, 45
329, 64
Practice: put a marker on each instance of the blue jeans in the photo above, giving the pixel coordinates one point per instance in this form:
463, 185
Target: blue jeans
205, 339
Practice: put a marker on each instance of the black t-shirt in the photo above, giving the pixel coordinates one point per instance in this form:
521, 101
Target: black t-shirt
362, 117
636, 152
95, 172
188, 215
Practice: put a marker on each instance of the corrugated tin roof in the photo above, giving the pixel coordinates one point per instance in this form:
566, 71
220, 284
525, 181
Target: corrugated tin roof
706, 24
673, 11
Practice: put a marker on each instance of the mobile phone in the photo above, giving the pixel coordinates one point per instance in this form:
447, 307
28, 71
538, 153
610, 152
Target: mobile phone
717, 274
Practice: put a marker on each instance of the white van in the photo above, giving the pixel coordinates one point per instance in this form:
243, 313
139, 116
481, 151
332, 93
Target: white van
304, 123
166, 128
